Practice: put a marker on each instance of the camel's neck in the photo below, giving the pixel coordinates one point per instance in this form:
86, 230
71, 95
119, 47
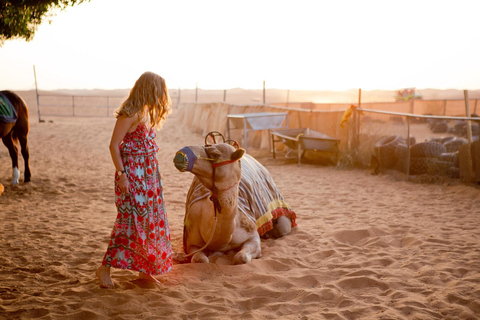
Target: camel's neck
228, 201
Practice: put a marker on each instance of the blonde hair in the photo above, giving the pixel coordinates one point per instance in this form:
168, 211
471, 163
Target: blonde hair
149, 99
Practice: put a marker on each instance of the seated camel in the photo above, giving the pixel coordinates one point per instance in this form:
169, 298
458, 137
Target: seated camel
231, 203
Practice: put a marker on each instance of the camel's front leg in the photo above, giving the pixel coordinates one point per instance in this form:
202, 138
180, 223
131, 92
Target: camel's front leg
199, 257
251, 249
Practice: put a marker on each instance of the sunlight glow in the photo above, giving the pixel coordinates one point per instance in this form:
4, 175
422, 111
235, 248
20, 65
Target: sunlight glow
317, 45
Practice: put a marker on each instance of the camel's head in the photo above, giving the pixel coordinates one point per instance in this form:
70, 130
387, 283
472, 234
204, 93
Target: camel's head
203, 160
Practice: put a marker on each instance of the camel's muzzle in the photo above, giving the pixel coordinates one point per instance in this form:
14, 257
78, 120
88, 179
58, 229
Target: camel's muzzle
184, 159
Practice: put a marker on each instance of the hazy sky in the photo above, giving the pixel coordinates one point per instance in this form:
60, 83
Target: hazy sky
319, 45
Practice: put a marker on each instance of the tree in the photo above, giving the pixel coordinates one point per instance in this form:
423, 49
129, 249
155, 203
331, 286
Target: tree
21, 18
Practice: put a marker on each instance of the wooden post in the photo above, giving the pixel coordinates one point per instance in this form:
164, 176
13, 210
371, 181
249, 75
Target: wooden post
470, 171
356, 126
445, 107
408, 147
224, 95
196, 92
288, 96
357, 120
38, 97
467, 111
178, 100
413, 101
263, 91
359, 97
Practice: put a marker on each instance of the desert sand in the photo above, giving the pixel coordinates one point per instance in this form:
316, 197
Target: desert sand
366, 247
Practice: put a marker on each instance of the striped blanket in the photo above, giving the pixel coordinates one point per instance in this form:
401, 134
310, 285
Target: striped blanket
7, 111
258, 196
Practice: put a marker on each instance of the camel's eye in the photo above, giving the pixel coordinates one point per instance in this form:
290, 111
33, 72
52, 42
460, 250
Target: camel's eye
216, 155
212, 152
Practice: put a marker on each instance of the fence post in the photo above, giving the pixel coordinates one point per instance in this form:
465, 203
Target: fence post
263, 91
355, 139
356, 121
38, 96
471, 172
408, 147
224, 95
412, 111
178, 100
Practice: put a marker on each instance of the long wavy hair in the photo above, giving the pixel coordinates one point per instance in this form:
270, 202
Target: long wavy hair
148, 99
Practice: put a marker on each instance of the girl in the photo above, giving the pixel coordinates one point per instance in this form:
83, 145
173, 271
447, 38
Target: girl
140, 238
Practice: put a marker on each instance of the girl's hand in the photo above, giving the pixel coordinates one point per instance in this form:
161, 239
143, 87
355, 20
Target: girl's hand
124, 185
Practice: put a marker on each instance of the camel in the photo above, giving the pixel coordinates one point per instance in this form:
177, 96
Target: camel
14, 127
231, 203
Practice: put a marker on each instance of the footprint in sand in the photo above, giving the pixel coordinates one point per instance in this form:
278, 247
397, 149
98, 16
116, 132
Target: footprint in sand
354, 237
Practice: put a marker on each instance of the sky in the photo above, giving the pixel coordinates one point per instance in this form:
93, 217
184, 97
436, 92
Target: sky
223, 44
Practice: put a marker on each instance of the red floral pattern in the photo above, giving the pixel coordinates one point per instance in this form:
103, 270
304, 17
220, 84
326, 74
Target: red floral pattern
140, 238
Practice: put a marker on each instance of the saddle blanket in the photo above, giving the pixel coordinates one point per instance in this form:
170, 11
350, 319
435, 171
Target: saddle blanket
7, 111
258, 196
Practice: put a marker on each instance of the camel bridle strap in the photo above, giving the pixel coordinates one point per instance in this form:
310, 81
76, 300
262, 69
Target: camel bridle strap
232, 186
213, 197
222, 163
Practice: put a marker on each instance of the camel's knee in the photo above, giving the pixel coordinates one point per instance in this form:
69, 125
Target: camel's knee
245, 256
200, 257
281, 227
242, 257
249, 251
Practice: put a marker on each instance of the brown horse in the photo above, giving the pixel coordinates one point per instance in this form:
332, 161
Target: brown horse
15, 129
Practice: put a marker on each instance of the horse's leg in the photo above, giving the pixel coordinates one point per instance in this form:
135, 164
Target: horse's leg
13, 151
251, 249
21, 129
26, 156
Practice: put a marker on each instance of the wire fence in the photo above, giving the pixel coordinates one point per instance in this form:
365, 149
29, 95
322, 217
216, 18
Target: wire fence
417, 137
416, 145
77, 105
423, 146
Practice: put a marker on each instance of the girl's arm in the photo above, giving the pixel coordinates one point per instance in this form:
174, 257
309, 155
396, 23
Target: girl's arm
122, 126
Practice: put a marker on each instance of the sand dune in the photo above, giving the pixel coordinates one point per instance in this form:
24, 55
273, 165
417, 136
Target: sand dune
366, 247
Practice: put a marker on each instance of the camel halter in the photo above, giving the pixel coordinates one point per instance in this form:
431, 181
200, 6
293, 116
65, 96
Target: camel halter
187, 153
213, 197
210, 138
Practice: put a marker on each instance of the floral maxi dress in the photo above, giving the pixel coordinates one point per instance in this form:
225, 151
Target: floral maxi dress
140, 238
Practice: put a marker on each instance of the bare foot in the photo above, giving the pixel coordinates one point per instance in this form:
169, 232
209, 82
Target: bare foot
103, 274
144, 276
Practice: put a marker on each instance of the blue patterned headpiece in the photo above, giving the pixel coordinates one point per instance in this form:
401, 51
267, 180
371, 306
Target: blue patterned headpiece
184, 159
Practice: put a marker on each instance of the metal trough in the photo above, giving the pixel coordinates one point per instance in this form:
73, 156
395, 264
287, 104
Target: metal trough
302, 139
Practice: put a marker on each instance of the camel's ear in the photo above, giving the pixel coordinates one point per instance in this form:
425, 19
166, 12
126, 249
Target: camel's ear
238, 154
